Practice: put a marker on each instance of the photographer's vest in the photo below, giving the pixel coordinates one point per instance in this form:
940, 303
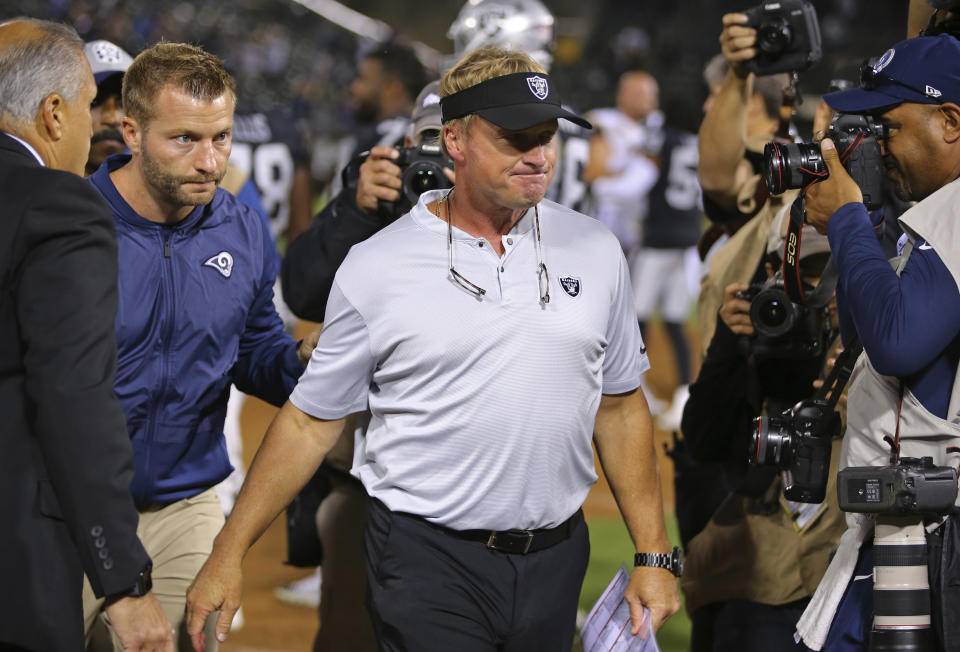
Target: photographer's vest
872, 404
763, 549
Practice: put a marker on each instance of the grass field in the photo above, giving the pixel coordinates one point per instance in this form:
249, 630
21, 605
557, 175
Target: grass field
610, 548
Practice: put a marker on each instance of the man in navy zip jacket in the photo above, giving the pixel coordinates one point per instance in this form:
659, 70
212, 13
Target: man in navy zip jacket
196, 307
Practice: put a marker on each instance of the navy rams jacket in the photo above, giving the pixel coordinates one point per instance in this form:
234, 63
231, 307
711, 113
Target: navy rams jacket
195, 314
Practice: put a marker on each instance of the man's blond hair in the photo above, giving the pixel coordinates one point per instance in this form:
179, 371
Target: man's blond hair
479, 66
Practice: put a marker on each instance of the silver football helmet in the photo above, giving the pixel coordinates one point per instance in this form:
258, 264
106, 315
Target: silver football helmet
525, 25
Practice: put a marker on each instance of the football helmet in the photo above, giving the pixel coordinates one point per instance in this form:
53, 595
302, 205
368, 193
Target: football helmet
525, 25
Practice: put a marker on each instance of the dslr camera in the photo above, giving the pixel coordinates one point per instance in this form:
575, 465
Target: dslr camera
798, 165
421, 169
912, 486
799, 443
901, 495
784, 329
788, 37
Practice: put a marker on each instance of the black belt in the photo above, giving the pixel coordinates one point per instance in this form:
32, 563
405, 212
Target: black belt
519, 542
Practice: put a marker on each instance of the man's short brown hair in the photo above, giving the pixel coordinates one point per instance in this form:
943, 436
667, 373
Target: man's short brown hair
479, 66
183, 66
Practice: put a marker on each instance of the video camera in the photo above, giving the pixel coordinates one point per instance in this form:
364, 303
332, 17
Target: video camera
799, 165
784, 329
788, 37
421, 169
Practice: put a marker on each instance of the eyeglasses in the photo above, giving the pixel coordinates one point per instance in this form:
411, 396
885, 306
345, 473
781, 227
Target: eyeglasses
870, 79
543, 277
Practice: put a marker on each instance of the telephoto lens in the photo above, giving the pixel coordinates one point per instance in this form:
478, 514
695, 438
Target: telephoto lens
792, 165
901, 590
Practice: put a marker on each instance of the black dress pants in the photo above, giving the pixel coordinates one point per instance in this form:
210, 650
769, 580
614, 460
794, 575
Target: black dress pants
429, 590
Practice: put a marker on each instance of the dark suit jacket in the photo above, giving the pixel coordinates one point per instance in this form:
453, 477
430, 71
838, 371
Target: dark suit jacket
65, 456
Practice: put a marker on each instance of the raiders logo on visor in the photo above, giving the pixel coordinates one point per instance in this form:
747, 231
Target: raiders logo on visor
538, 86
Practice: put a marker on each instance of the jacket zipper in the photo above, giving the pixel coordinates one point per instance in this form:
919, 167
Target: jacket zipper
167, 282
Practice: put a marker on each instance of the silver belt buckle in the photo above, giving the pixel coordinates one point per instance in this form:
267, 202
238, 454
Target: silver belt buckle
492, 540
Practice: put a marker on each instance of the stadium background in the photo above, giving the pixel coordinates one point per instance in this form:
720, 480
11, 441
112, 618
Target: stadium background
284, 52
301, 55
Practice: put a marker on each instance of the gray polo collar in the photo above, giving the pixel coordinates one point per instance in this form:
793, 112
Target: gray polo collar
428, 220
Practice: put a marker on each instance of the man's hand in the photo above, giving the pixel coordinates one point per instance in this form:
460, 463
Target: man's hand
379, 179
217, 586
737, 42
140, 624
824, 198
308, 344
735, 312
655, 589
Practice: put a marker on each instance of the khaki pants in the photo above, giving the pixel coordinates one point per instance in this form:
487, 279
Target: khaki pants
178, 537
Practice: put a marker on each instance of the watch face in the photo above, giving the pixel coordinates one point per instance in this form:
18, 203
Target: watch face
144, 582
676, 563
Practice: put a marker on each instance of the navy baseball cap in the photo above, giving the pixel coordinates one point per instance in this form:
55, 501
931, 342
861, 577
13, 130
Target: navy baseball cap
924, 70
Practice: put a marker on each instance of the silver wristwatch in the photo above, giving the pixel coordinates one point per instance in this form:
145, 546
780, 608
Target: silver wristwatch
669, 560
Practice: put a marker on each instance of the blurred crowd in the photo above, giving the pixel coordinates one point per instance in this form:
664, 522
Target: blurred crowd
286, 56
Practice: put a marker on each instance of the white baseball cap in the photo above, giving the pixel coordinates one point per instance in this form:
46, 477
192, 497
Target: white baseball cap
106, 59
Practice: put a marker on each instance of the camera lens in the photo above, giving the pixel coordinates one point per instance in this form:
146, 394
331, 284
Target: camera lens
770, 442
772, 313
422, 176
424, 180
774, 37
792, 165
901, 590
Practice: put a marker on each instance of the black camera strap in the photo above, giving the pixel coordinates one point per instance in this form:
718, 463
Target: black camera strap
792, 283
837, 379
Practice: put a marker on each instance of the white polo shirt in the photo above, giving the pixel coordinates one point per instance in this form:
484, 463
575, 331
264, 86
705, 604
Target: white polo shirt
482, 409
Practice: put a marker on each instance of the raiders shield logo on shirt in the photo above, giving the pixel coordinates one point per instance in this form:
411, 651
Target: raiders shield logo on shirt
570, 285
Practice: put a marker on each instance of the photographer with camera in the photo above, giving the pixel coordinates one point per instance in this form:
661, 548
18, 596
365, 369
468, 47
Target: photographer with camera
374, 195
904, 395
748, 106
744, 112
757, 557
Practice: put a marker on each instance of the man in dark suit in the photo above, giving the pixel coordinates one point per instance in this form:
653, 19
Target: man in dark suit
65, 458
